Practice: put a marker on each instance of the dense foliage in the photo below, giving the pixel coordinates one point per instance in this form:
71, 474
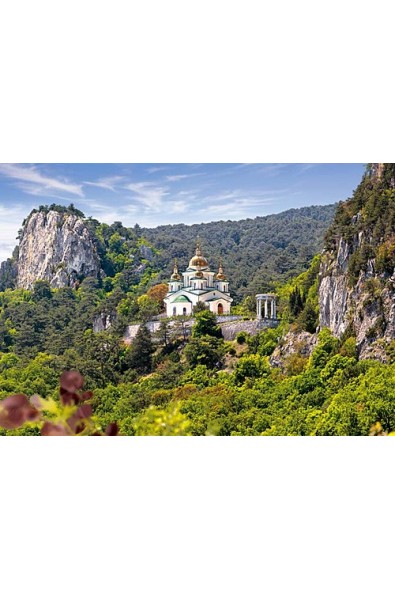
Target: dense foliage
70, 415
298, 299
212, 387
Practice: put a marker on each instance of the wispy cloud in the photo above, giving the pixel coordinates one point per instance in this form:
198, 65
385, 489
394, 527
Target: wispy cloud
307, 166
272, 170
31, 181
152, 170
179, 206
107, 183
177, 177
149, 195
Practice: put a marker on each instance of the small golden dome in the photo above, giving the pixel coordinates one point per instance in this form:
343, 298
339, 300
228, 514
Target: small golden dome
175, 275
220, 275
199, 274
198, 261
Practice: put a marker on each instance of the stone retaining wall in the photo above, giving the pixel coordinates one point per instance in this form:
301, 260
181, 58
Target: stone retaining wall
230, 330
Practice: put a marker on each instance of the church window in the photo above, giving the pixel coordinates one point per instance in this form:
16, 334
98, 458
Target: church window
184, 311
174, 311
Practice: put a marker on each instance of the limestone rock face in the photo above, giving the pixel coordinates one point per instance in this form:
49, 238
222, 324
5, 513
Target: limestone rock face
366, 308
333, 290
104, 321
58, 248
302, 343
146, 252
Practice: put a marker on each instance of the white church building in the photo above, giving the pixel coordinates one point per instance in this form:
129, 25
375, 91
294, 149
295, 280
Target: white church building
196, 284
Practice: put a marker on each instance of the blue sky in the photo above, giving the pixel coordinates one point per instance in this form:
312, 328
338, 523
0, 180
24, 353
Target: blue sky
159, 194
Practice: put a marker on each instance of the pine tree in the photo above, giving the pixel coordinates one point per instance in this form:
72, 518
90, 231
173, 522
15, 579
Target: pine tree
141, 351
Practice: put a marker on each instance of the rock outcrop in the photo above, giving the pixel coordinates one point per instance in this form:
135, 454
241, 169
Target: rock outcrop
301, 343
104, 321
365, 309
357, 287
56, 247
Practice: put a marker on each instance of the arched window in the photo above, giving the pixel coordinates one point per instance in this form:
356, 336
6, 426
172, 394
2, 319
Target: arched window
220, 309
174, 311
184, 311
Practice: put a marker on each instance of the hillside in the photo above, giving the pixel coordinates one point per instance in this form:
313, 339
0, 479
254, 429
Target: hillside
61, 246
256, 252
291, 380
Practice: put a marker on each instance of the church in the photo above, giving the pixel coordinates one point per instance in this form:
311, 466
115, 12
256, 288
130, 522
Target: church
198, 284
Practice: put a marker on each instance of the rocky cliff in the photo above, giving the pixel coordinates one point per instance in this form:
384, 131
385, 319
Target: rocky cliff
357, 271
301, 343
56, 247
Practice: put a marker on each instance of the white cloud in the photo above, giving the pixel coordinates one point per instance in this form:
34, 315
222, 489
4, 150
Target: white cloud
106, 183
179, 206
31, 181
185, 176
148, 194
151, 170
176, 177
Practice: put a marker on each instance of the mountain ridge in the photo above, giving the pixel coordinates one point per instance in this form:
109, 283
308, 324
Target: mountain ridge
254, 250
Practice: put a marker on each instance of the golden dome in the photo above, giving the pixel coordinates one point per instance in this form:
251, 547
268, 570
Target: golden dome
220, 275
198, 261
175, 275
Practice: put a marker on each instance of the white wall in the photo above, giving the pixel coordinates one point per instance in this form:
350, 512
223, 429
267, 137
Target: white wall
179, 306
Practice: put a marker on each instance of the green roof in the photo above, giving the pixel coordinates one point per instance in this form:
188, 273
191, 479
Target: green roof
181, 299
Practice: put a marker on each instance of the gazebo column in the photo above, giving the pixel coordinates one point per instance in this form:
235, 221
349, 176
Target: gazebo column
266, 308
274, 309
259, 308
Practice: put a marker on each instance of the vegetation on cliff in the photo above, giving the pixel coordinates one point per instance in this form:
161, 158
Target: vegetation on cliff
367, 222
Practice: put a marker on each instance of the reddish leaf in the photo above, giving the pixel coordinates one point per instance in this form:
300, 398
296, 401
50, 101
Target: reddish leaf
16, 410
112, 429
71, 381
51, 429
74, 422
36, 401
68, 398
84, 411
